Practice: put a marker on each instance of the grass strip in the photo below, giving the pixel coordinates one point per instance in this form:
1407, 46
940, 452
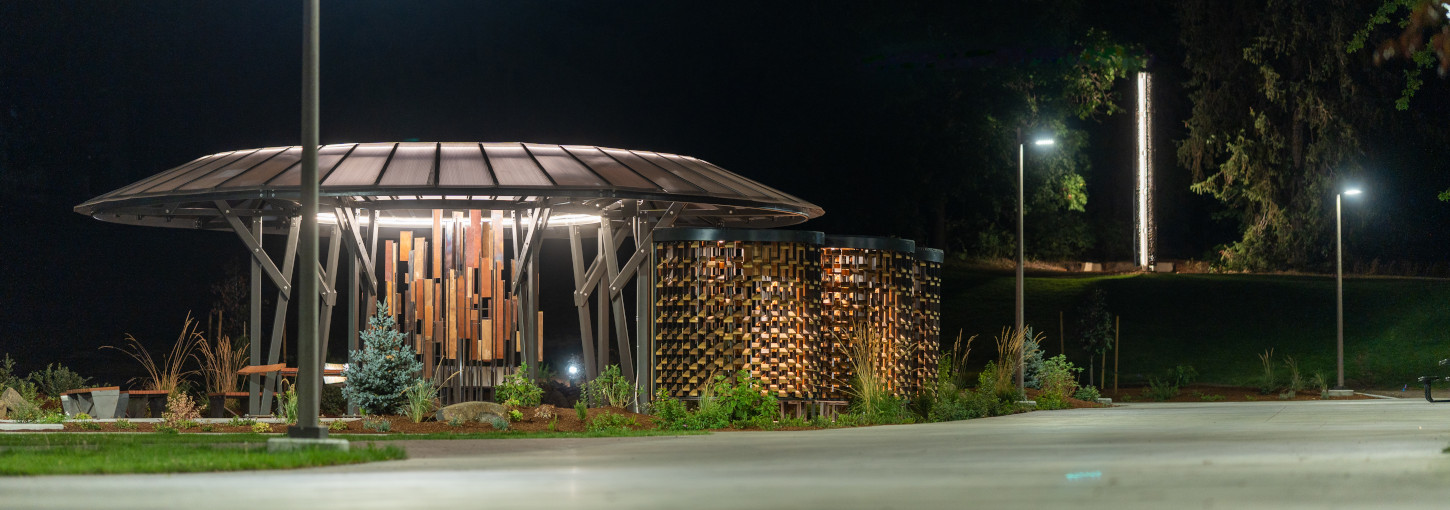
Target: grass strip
115, 457
518, 435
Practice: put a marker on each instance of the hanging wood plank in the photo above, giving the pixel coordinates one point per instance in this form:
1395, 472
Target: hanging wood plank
475, 238
437, 244
405, 239
497, 303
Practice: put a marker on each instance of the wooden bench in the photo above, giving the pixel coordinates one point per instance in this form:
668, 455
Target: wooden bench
145, 403
103, 402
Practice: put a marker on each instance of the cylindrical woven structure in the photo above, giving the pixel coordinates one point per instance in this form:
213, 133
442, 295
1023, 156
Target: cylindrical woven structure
737, 299
867, 313
926, 298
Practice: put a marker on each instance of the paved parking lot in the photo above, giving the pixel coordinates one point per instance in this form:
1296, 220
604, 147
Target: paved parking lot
1345, 454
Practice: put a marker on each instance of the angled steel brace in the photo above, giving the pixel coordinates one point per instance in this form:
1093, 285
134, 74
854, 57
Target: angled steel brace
329, 274
279, 321
643, 246
595, 274
347, 220
616, 303
586, 334
254, 245
531, 245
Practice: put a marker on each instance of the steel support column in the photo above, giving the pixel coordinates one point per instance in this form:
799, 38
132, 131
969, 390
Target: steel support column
254, 326
586, 335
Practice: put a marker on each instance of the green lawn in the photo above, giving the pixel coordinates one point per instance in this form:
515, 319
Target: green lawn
519, 435
1395, 329
70, 453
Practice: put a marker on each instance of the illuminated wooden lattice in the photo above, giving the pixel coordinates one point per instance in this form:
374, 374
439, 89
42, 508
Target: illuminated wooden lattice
926, 297
867, 296
729, 300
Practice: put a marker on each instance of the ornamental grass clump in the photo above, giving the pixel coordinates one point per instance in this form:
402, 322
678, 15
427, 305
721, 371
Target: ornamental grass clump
422, 399
220, 361
383, 369
168, 375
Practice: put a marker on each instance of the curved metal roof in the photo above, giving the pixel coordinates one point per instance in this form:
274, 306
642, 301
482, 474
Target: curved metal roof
468, 175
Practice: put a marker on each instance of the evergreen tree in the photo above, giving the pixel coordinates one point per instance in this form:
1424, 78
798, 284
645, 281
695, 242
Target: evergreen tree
383, 368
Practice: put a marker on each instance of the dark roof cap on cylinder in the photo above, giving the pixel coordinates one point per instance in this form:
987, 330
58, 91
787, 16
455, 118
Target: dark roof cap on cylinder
930, 254
872, 243
738, 234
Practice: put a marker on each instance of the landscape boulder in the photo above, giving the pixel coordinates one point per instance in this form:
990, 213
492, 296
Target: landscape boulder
11, 403
473, 411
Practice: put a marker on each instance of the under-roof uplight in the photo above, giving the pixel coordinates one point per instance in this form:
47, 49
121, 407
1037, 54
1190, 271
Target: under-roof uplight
1044, 141
562, 220
1352, 191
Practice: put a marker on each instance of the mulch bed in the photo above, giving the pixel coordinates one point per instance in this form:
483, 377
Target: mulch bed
1210, 393
565, 420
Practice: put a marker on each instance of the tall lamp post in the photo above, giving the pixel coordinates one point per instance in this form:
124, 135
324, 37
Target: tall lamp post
309, 360
1021, 150
1339, 279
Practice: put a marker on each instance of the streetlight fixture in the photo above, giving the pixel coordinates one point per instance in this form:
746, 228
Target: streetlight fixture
1339, 279
1021, 149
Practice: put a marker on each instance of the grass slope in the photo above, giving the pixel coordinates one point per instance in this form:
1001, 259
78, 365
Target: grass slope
1395, 329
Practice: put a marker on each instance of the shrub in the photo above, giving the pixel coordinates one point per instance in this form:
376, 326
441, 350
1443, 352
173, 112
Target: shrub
611, 422
670, 412
56, 379
238, 421
82, 416
422, 399
1184, 375
1050, 401
187, 424
207, 428
735, 400
1160, 389
455, 422
582, 410
180, 408
1207, 397
89, 425
162, 428
261, 428
610, 389
332, 402
516, 415
125, 424
518, 386
337, 426
383, 369
1087, 393
1059, 378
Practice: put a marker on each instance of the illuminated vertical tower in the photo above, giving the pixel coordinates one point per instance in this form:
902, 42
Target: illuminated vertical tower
1143, 203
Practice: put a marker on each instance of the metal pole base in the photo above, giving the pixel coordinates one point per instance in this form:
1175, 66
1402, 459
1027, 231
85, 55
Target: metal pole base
300, 432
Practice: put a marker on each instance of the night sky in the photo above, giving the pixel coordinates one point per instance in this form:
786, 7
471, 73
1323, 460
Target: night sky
96, 95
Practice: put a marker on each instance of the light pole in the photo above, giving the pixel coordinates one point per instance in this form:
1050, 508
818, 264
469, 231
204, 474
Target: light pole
1339, 279
309, 359
1021, 150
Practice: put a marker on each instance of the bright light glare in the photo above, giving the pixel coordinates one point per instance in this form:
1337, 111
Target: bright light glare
1352, 191
425, 222
573, 369
1044, 141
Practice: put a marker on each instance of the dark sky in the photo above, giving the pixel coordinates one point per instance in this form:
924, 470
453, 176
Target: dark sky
95, 95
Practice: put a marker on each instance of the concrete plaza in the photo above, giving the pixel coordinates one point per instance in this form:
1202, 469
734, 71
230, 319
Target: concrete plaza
1340, 454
